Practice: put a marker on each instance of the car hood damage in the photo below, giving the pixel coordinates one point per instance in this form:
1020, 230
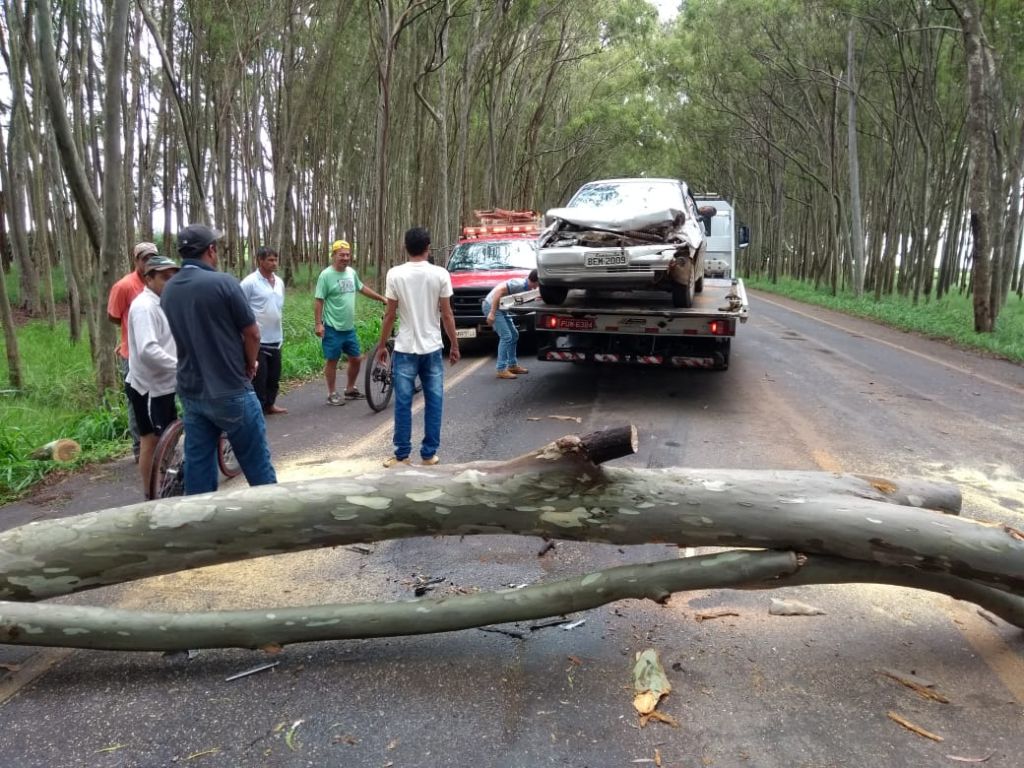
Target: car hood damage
620, 226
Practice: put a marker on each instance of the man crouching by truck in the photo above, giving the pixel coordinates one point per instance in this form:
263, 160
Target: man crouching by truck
508, 335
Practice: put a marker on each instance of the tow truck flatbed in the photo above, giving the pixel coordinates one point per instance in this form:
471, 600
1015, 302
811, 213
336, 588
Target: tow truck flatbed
638, 327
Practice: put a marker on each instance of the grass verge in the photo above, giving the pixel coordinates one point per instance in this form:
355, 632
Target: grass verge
950, 318
59, 395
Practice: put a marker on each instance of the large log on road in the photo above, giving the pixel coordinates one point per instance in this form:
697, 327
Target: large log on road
112, 629
556, 492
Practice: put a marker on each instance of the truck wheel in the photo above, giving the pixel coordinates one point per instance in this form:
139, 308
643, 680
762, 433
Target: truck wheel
681, 296
553, 295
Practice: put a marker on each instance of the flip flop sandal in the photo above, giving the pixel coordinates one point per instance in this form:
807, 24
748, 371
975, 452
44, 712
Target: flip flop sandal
355, 394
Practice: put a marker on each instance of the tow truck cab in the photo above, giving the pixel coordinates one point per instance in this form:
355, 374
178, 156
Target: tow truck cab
503, 246
724, 235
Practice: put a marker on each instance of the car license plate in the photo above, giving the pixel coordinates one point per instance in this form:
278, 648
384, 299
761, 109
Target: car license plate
465, 333
605, 260
574, 323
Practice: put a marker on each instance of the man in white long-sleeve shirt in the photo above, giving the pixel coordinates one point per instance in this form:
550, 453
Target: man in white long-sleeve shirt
152, 363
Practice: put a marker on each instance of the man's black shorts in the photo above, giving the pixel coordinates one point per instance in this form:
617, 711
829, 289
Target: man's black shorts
153, 414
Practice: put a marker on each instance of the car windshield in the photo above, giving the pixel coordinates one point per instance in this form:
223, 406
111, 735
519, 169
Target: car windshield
642, 195
511, 254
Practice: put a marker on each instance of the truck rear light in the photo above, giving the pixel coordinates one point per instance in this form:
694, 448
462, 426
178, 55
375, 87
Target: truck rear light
720, 328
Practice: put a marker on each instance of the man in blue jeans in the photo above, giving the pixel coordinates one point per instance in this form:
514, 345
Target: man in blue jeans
418, 294
218, 344
508, 335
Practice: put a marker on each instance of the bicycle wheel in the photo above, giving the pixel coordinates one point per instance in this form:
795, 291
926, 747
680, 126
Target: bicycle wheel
168, 475
226, 459
378, 379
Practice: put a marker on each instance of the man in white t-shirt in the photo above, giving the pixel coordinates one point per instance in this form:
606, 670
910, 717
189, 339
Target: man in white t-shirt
418, 294
264, 291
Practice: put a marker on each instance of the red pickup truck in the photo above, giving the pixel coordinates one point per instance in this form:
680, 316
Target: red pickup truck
501, 247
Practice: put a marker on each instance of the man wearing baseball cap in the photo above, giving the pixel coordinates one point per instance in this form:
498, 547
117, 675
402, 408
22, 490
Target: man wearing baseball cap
152, 363
334, 320
218, 344
122, 294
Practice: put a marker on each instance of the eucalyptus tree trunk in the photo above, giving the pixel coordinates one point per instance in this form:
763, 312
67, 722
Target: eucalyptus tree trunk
270, 628
827, 528
557, 491
15, 377
71, 161
439, 115
62, 224
301, 87
187, 124
856, 222
15, 177
114, 246
478, 38
40, 212
978, 127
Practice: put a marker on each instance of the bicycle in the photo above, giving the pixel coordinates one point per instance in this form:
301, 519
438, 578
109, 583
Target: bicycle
378, 381
168, 476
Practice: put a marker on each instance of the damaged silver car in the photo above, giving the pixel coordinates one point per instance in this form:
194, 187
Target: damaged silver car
625, 234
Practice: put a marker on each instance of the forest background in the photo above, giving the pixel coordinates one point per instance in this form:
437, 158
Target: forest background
875, 147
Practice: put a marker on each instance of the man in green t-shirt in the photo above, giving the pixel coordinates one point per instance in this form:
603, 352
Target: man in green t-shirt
334, 311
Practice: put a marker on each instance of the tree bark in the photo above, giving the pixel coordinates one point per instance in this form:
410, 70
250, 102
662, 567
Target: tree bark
978, 123
856, 222
114, 246
70, 626
51, 625
554, 492
74, 168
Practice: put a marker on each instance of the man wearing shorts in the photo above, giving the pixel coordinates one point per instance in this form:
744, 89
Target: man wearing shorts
122, 294
334, 313
152, 363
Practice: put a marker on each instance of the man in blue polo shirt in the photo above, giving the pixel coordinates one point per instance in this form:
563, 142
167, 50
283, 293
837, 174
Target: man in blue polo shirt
218, 344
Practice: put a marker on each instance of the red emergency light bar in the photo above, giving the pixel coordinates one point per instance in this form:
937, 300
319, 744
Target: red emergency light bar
501, 229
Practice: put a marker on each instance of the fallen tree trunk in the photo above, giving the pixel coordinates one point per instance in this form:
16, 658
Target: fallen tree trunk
45, 624
554, 492
100, 628
63, 449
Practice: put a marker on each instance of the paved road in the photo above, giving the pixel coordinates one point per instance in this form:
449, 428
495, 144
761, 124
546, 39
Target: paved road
807, 390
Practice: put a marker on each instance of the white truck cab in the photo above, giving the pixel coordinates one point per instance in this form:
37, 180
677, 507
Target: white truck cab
724, 237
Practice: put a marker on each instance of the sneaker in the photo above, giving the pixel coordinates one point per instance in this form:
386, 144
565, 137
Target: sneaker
431, 461
394, 460
507, 374
518, 369
335, 399
354, 394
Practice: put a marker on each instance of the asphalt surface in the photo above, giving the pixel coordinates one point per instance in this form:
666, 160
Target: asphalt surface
807, 390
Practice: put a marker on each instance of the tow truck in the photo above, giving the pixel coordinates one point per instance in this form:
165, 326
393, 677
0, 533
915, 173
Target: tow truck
643, 327
500, 246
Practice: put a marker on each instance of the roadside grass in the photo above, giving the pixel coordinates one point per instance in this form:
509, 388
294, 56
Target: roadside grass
59, 397
950, 318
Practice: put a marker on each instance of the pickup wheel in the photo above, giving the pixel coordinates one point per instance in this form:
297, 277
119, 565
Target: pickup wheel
681, 296
552, 294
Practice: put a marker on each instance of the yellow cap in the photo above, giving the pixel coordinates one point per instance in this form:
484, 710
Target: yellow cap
340, 245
